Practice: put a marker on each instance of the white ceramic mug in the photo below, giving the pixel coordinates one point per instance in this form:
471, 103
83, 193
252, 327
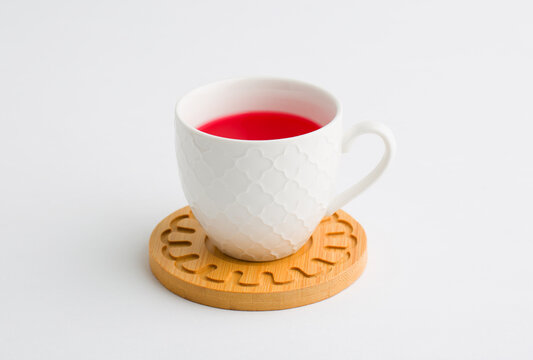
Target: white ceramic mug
261, 200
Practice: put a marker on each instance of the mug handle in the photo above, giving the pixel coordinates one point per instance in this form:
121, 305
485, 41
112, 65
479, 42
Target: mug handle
367, 127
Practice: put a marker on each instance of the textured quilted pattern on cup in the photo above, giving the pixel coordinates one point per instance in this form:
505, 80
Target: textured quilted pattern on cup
258, 200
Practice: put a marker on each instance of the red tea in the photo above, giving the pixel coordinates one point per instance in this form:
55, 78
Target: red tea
259, 125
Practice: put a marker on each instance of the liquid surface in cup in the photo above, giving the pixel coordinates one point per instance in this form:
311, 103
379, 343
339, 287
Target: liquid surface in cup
259, 125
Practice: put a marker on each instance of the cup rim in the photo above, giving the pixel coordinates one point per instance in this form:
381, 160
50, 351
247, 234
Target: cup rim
179, 105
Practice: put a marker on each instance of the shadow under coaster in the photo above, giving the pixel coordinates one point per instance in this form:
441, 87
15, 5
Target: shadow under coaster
184, 260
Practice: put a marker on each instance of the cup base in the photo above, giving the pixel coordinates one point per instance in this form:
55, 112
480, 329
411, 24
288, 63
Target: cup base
184, 260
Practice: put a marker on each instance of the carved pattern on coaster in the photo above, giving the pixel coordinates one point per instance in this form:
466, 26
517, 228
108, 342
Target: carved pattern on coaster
185, 243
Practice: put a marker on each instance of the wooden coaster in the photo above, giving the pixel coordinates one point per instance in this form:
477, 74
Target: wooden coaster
187, 263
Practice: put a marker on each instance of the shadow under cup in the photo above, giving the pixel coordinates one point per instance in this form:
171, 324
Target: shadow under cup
258, 200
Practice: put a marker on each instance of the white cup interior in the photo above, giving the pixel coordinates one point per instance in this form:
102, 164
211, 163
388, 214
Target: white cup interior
236, 96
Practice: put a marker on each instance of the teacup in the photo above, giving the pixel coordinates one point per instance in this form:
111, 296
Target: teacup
260, 200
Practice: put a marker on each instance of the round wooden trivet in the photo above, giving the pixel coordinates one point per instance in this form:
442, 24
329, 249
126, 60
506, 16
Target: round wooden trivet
187, 263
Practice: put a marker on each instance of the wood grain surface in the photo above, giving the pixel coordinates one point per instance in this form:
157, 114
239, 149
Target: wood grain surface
186, 262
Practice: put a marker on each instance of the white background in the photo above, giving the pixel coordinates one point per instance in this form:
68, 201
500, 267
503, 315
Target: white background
87, 91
